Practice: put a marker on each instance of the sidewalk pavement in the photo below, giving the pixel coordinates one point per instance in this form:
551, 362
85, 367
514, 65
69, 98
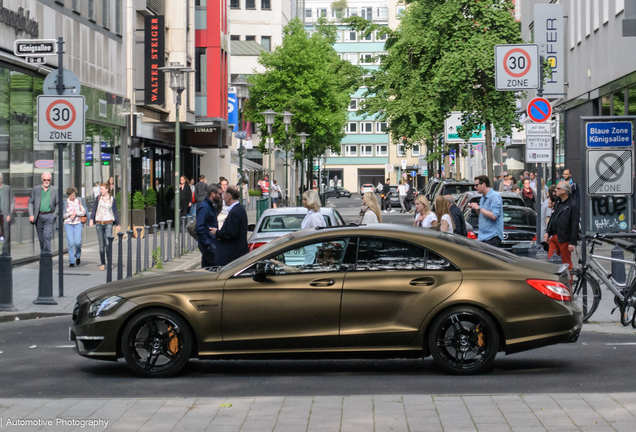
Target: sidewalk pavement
391, 413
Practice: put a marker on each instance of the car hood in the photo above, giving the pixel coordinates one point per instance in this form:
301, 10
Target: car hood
173, 279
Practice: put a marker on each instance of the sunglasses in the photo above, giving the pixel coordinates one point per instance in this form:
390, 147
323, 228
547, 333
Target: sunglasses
560, 188
46, 180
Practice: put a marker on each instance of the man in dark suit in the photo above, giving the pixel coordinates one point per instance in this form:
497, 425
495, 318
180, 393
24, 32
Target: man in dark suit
206, 219
232, 237
458, 217
43, 210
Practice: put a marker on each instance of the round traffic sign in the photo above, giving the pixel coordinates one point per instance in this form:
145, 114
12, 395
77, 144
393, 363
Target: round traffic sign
517, 62
61, 114
539, 110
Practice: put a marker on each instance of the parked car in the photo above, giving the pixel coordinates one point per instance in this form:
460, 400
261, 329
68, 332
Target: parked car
367, 187
338, 192
278, 222
386, 290
508, 198
452, 187
430, 187
520, 224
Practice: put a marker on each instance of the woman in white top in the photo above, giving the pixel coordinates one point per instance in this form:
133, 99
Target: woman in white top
104, 215
313, 219
74, 210
424, 217
370, 209
443, 214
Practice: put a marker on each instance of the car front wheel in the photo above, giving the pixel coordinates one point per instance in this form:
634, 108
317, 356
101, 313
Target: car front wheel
463, 340
156, 343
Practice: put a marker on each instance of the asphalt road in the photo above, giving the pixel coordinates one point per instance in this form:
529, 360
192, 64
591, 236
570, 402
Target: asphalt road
37, 360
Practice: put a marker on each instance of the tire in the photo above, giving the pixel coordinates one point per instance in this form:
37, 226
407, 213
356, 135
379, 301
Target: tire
463, 340
628, 308
160, 330
587, 293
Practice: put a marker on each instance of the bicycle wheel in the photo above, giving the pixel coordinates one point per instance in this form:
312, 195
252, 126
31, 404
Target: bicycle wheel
587, 293
628, 308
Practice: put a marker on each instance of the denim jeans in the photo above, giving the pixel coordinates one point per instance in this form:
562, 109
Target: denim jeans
74, 241
103, 232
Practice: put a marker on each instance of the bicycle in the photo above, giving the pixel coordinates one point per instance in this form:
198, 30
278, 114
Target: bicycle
589, 276
284, 201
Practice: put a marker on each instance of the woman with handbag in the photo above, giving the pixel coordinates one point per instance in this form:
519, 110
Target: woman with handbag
103, 215
74, 218
276, 194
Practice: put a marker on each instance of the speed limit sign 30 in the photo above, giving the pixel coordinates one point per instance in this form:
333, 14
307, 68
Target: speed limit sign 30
61, 119
516, 67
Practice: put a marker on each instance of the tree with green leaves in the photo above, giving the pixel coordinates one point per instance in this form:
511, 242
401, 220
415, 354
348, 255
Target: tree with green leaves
441, 59
305, 76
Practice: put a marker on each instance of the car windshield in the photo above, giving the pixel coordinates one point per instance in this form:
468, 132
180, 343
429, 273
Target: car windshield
455, 189
517, 216
249, 255
482, 248
285, 222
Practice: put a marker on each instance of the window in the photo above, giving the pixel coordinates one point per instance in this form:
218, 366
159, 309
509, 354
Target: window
250, 4
351, 150
235, 37
338, 36
618, 103
366, 59
387, 254
401, 151
76, 6
250, 38
351, 36
321, 13
352, 12
366, 150
366, 127
353, 58
382, 13
380, 126
382, 150
336, 13
333, 153
399, 11
322, 256
266, 4
201, 67
367, 38
91, 10
366, 13
352, 127
308, 33
106, 14
118, 12
415, 150
353, 105
266, 42
308, 13
235, 4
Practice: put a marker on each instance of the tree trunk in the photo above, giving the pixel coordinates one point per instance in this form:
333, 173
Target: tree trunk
489, 156
447, 163
310, 172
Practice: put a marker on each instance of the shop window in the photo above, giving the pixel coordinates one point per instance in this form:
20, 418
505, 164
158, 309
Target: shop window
619, 103
606, 108
631, 100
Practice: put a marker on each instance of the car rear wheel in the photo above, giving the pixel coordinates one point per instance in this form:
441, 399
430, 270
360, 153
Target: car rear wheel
463, 340
156, 343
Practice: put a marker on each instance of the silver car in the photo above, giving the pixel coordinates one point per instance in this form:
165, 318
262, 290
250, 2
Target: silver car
277, 222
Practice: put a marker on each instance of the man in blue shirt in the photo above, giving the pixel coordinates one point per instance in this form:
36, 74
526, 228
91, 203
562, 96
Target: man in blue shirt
490, 210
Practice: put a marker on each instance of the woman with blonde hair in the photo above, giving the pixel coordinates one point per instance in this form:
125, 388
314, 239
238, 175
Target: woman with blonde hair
370, 210
313, 219
443, 214
424, 218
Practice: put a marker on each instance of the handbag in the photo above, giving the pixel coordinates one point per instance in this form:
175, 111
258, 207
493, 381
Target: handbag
84, 219
192, 230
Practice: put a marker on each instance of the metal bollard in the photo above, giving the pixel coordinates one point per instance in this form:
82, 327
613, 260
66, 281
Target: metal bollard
109, 259
120, 262
162, 255
189, 236
45, 283
6, 290
618, 269
129, 257
555, 259
182, 248
138, 268
20, 217
154, 242
147, 229
169, 241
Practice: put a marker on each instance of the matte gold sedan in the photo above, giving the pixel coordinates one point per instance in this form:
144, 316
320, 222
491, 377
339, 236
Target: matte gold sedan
370, 291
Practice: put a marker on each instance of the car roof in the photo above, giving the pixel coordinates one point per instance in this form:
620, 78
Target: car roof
294, 210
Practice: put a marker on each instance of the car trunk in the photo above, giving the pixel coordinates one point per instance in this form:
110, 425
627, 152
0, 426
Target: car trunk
559, 270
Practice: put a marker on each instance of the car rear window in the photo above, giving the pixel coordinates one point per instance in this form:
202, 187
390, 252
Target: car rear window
285, 223
455, 189
513, 201
516, 216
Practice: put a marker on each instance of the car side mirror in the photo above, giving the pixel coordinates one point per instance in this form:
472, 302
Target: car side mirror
263, 268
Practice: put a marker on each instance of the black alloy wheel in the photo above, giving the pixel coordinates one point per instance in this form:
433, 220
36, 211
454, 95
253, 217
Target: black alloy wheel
463, 340
156, 343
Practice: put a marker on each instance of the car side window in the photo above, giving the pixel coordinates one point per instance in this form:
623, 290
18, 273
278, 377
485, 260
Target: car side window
437, 262
322, 256
327, 220
388, 254
340, 219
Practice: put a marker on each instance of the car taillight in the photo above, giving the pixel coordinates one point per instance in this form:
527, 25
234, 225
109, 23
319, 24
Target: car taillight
534, 238
253, 246
554, 290
471, 235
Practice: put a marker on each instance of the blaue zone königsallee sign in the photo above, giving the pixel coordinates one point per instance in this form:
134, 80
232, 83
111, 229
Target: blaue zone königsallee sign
608, 134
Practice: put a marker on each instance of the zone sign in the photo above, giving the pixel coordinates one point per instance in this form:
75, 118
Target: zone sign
61, 119
516, 67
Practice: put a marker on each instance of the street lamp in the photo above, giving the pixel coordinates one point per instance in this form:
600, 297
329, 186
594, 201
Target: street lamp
287, 121
242, 93
269, 121
303, 138
178, 85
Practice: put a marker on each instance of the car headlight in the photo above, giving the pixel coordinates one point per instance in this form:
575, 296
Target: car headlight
98, 307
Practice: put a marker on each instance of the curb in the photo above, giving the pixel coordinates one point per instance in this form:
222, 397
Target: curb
31, 315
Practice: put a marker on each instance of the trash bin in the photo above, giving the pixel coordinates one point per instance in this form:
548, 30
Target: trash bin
521, 249
261, 205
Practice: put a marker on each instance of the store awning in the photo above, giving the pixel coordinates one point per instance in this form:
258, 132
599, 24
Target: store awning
248, 165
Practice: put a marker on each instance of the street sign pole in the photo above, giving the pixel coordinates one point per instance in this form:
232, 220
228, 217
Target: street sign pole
60, 168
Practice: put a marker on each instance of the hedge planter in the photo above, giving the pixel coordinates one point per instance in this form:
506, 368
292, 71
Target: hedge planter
151, 216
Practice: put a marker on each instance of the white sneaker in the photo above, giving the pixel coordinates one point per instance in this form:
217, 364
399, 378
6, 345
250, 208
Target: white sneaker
392, 211
384, 211
1, 239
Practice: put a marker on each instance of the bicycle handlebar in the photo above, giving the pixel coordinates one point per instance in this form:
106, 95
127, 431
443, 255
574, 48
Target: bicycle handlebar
618, 235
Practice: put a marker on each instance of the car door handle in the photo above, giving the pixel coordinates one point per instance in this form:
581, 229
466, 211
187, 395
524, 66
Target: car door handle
425, 281
322, 282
